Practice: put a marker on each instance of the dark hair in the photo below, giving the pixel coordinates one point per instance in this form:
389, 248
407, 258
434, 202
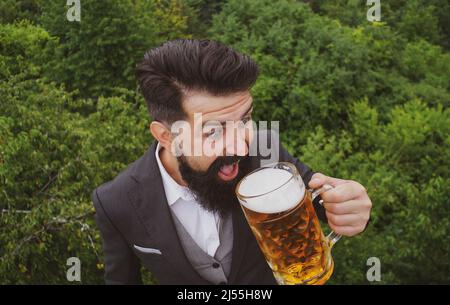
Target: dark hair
190, 64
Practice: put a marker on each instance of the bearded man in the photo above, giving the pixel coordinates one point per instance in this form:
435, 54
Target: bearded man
174, 211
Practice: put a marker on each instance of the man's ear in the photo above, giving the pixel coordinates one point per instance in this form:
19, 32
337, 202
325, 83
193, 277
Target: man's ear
161, 133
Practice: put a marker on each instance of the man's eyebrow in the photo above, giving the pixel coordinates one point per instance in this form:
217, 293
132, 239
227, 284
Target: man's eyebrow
223, 123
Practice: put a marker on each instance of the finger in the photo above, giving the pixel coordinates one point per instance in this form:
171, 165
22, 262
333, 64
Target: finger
341, 208
319, 179
343, 192
352, 220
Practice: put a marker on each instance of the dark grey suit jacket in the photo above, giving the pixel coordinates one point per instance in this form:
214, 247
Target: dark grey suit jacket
132, 210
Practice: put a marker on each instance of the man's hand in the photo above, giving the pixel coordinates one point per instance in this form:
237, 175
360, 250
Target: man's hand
347, 205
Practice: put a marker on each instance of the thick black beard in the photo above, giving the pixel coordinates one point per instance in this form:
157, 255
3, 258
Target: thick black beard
210, 191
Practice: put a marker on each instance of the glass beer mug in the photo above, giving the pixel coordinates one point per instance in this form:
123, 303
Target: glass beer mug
279, 210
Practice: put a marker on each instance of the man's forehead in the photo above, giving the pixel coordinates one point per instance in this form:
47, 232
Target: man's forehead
217, 107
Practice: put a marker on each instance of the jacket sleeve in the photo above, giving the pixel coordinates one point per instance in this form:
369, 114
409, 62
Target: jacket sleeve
121, 265
306, 174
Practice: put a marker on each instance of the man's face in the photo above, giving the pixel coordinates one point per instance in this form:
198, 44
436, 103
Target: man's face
222, 127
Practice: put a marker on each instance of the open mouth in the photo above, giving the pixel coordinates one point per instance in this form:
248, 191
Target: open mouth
229, 172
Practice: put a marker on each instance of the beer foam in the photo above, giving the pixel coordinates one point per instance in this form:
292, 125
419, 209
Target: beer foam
262, 185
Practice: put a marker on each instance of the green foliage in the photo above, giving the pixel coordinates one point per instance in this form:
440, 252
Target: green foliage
101, 51
21, 49
16, 10
51, 158
413, 19
200, 13
356, 100
54, 150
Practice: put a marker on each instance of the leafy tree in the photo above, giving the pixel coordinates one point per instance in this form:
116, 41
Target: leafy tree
200, 13
16, 10
413, 19
21, 49
51, 157
100, 52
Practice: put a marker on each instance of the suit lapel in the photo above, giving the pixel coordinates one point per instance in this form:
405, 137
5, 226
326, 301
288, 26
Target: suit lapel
150, 202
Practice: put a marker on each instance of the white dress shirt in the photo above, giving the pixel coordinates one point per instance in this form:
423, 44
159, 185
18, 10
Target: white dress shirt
202, 225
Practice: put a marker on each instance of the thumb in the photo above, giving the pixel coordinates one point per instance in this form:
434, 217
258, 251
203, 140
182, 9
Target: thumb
319, 179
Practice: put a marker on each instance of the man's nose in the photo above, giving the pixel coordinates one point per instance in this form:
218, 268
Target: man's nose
236, 143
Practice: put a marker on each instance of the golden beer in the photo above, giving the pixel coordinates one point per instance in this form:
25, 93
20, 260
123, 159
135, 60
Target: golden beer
281, 215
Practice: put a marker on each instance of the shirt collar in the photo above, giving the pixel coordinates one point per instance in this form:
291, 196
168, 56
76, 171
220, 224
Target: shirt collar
173, 190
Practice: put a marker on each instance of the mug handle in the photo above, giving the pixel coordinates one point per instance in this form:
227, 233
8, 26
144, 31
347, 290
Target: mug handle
333, 237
